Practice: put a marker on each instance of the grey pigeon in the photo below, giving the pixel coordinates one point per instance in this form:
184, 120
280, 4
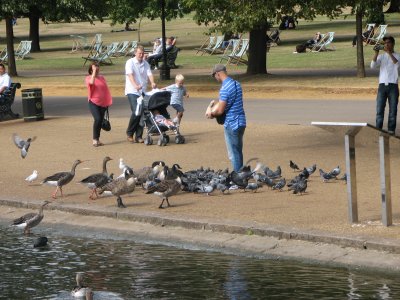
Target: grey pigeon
205, 189
325, 176
299, 187
293, 166
335, 172
22, 144
344, 178
311, 169
273, 174
253, 186
280, 184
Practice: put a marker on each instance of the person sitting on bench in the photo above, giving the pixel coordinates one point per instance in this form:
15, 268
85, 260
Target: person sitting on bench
155, 58
5, 82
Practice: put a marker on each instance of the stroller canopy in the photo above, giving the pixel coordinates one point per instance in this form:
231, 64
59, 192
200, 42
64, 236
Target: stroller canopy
159, 100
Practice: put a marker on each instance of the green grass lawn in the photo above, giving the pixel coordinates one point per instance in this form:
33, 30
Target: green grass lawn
56, 45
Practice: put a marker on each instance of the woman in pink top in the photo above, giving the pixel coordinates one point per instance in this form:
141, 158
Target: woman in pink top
99, 98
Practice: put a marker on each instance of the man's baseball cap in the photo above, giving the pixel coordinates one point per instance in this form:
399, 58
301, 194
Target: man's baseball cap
218, 68
389, 38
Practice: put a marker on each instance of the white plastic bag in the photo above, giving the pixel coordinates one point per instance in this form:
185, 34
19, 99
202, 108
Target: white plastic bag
138, 110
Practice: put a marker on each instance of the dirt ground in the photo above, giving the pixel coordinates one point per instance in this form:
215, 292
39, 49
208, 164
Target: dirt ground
60, 141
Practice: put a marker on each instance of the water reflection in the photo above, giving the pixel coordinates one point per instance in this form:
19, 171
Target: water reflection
123, 269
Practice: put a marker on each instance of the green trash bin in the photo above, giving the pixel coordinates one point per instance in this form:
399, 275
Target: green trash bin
32, 104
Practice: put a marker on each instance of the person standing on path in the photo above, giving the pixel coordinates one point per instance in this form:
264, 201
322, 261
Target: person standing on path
230, 103
388, 64
138, 73
99, 98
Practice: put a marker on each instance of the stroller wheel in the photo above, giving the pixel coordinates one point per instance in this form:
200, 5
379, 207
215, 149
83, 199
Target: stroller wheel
162, 141
148, 140
166, 137
179, 139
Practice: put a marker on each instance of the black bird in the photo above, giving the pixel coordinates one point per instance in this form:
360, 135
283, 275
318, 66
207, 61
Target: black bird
23, 145
293, 166
40, 242
280, 184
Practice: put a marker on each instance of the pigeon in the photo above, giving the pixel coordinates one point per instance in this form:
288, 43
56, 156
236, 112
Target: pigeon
273, 174
205, 189
344, 178
305, 173
253, 186
311, 169
264, 179
293, 166
335, 172
123, 166
325, 176
32, 177
23, 145
299, 187
280, 184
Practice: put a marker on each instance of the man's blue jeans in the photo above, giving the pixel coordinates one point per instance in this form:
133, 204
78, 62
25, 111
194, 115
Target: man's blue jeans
134, 127
234, 145
391, 93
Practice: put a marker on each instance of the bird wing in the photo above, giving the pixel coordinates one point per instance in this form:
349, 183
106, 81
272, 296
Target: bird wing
24, 218
24, 152
18, 141
55, 177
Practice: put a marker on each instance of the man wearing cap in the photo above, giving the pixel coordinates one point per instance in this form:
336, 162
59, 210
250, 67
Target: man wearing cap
388, 63
231, 103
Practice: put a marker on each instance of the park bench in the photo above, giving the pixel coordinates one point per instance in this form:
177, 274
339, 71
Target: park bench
7, 101
172, 54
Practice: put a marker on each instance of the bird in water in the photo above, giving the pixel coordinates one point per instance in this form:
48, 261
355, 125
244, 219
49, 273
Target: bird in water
22, 144
166, 189
97, 180
80, 290
30, 220
120, 186
40, 242
32, 177
61, 178
293, 166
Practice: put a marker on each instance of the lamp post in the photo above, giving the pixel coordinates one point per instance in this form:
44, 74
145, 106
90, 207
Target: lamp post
164, 69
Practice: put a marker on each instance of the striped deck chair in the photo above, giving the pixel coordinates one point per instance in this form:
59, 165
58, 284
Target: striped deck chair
325, 43
208, 44
79, 42
23, 49
4, 56
131, 49
231, 49
237, 58
377, 38
105, 56
121, 49
217, 48
370, 29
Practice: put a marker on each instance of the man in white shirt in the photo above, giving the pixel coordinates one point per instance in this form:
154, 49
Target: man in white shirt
5, 81
388, 64
137, 71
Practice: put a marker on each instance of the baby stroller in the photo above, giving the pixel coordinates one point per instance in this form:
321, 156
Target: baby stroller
159, 101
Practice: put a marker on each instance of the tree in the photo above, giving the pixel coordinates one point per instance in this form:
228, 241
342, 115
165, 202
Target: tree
394, 6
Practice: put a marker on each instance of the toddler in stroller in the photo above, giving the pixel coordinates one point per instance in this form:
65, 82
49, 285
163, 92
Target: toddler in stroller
157, 119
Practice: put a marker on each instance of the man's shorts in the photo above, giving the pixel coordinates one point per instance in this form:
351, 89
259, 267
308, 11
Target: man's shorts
178, 107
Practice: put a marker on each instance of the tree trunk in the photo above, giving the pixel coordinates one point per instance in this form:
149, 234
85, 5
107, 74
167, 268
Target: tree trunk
257, 63
34, 32
360, 44
394, 6
12, 67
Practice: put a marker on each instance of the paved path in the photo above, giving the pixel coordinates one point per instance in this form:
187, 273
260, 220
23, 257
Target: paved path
268, 111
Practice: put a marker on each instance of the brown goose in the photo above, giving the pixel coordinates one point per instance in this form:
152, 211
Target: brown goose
60, 179
30, 220
120, 186
165, 189
97, 180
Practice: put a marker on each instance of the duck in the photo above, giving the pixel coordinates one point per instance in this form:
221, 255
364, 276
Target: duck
40, 242
80, 290
120, 186
61, 178
165, 189
30, 220
97, 180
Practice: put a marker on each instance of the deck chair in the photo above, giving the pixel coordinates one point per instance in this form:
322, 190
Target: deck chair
325, 43
23, 49
217, 48
131, 50
104, 57
378, 35
232, 49
237, 58
4, 56
208, 44
274, 38
121, 49
370, 28
79, 42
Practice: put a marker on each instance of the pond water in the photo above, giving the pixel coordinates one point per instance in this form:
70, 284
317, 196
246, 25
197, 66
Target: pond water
118, 268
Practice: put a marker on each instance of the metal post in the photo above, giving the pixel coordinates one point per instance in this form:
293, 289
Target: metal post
165, 73
384, 162
349, 141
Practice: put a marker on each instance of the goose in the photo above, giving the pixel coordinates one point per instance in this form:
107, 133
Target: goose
30, 220
80, 290
60, 179
97, 180
120, 186
165, 189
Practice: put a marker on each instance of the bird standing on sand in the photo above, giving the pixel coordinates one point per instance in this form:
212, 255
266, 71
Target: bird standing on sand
60, 179
30, 220
280, 185
294, 166
97, 180
23, 145
165, 189
32, 177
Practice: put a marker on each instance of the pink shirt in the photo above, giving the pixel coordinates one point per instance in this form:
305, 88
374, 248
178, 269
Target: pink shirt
98, 92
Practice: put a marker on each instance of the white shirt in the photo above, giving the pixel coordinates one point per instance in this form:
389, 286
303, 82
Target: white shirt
5, 80
141, 72
388, 72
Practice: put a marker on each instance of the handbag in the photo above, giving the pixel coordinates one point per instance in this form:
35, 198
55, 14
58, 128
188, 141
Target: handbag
106, 125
